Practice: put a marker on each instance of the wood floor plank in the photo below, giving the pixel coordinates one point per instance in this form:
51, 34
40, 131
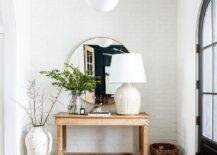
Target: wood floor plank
94, 153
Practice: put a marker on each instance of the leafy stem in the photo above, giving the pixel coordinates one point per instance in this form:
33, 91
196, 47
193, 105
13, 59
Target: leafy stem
73, 79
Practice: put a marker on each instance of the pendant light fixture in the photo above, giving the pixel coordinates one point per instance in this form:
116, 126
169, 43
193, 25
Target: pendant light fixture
103, 5
104, 43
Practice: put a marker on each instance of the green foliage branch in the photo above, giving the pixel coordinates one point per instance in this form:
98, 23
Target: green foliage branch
73, 79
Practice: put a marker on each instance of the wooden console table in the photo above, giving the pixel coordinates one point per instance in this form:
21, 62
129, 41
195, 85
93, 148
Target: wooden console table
141, 121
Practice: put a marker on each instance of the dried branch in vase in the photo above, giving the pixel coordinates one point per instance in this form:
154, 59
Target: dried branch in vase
36, 105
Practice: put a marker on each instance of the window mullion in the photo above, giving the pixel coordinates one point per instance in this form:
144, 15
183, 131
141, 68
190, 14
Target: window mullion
213, 62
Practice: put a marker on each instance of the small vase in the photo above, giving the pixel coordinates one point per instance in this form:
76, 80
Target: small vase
38, 141
75, 103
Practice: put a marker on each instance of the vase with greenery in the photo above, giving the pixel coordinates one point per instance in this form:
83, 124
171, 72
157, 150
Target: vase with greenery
75, 81
38, 140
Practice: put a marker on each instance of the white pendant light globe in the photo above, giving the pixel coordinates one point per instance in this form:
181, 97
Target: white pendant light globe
103, 5
104, 43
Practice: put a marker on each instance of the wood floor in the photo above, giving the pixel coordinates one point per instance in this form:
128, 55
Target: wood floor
86, 153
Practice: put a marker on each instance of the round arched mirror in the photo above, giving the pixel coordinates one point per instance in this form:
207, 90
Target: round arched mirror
95, 56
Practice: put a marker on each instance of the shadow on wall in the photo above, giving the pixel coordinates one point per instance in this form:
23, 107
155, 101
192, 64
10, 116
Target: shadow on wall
22, 141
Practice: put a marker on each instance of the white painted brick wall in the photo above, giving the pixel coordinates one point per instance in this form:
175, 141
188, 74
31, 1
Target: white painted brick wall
187, 23
144, 26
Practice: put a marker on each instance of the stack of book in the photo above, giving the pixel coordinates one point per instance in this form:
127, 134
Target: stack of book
99, 114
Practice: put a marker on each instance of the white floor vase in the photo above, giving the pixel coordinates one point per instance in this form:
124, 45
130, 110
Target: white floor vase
38, 141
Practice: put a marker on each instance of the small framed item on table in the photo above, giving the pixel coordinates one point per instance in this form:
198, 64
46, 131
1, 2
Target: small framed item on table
82, 111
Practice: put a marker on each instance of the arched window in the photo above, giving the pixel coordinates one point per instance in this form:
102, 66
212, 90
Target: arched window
208, 78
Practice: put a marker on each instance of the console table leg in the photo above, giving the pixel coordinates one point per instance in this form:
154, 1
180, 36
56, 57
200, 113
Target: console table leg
144, 140
64, 136
61, 139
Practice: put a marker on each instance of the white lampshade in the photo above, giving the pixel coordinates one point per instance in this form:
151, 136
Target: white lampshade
127, 68
103, 5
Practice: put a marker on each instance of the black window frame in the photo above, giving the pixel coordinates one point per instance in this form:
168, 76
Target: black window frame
201, 138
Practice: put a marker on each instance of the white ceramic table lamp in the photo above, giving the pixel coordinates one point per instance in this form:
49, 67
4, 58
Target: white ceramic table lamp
127, 69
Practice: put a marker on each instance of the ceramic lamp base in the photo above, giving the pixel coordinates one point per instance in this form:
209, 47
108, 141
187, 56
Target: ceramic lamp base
128, 100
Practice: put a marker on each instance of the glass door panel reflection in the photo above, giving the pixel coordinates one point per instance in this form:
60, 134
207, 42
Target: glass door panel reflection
207, 70
215, 20
215, 119
207, 26
215, 69
207, 116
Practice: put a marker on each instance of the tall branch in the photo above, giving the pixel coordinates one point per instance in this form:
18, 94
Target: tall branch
53, 103
42, 106
35, 109
34, 106
29, 94
27, 113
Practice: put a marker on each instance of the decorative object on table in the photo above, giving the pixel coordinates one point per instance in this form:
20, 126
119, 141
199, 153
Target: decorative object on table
38, 140
82, 111
75, 102
99, 104
127, 69
163, 148
99, 114
97, 110
75, 81
103, 5
95, 55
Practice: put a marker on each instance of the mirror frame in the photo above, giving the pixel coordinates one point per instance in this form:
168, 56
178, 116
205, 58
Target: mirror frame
95, 38
74, 49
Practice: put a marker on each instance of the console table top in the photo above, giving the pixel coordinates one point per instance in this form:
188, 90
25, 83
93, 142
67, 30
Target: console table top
142, 115
64, 118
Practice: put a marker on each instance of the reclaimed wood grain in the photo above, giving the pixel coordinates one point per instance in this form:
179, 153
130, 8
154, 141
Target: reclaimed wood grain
64, 119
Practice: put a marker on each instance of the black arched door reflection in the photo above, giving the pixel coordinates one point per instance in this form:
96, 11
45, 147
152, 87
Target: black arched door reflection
103, 57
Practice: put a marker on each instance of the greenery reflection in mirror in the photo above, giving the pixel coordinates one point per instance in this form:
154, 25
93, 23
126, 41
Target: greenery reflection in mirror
95, 55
